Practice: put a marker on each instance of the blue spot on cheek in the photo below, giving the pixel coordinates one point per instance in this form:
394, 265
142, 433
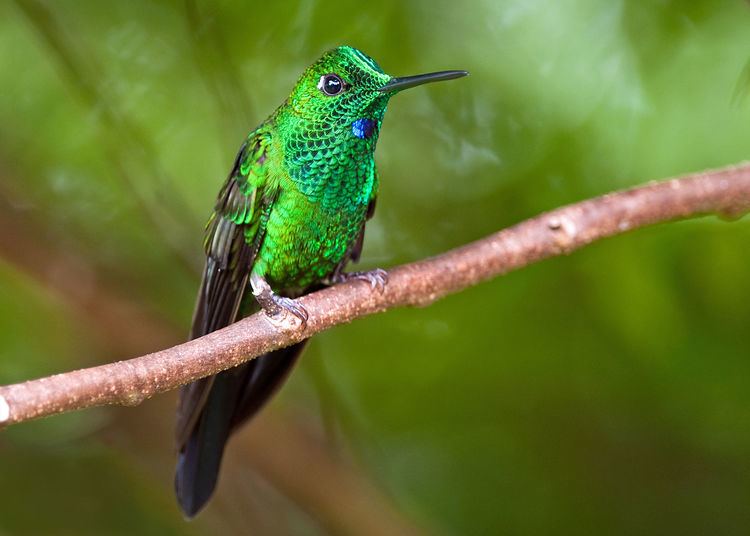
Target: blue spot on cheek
363, 128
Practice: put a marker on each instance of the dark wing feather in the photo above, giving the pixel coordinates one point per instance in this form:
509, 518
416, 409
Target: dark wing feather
207, 407
229, 256
356, 250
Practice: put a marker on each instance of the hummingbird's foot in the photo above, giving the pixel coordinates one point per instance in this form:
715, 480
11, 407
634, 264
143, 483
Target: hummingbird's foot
274, 305
377, 278
281, 303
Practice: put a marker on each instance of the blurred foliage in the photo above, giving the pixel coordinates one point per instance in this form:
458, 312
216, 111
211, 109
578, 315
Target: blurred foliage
607, 392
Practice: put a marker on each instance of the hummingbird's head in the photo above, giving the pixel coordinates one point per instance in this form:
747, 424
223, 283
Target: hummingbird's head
346, 89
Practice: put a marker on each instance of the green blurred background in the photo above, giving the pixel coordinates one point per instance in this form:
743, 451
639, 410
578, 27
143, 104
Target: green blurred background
603, 393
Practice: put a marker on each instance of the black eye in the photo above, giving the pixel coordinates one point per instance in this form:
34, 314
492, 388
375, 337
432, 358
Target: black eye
331, 84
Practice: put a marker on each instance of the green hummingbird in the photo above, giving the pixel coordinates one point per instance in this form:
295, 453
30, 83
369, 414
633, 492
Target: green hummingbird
288, 219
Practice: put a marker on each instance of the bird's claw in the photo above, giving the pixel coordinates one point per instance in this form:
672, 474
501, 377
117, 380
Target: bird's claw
283, 304
377, 278
274, 306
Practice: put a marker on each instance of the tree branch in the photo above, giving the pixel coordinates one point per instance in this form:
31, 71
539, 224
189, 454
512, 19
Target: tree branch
724, 192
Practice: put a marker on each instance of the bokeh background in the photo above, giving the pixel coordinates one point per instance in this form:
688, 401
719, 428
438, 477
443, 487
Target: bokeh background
607, 392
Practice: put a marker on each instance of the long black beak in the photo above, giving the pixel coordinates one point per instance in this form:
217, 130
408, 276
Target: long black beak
405, 82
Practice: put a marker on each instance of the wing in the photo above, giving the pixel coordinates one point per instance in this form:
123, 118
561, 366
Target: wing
207, 407
356, 250
233, 235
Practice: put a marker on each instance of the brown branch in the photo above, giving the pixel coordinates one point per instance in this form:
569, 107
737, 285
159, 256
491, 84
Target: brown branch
724, 192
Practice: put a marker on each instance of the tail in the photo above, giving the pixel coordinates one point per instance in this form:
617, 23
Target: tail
211, 409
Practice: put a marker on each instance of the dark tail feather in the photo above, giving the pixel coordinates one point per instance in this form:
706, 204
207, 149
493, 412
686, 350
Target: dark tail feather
200, 458
235, 396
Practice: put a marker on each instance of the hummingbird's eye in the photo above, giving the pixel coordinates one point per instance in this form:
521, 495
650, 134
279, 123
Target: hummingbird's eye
331, 84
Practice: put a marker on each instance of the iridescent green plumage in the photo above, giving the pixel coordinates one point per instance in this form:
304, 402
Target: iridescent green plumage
289, 217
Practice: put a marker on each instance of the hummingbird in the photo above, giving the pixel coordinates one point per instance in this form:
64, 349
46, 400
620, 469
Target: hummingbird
287, 221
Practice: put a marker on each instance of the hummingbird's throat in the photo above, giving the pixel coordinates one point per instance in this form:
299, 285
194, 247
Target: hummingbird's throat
363, 128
